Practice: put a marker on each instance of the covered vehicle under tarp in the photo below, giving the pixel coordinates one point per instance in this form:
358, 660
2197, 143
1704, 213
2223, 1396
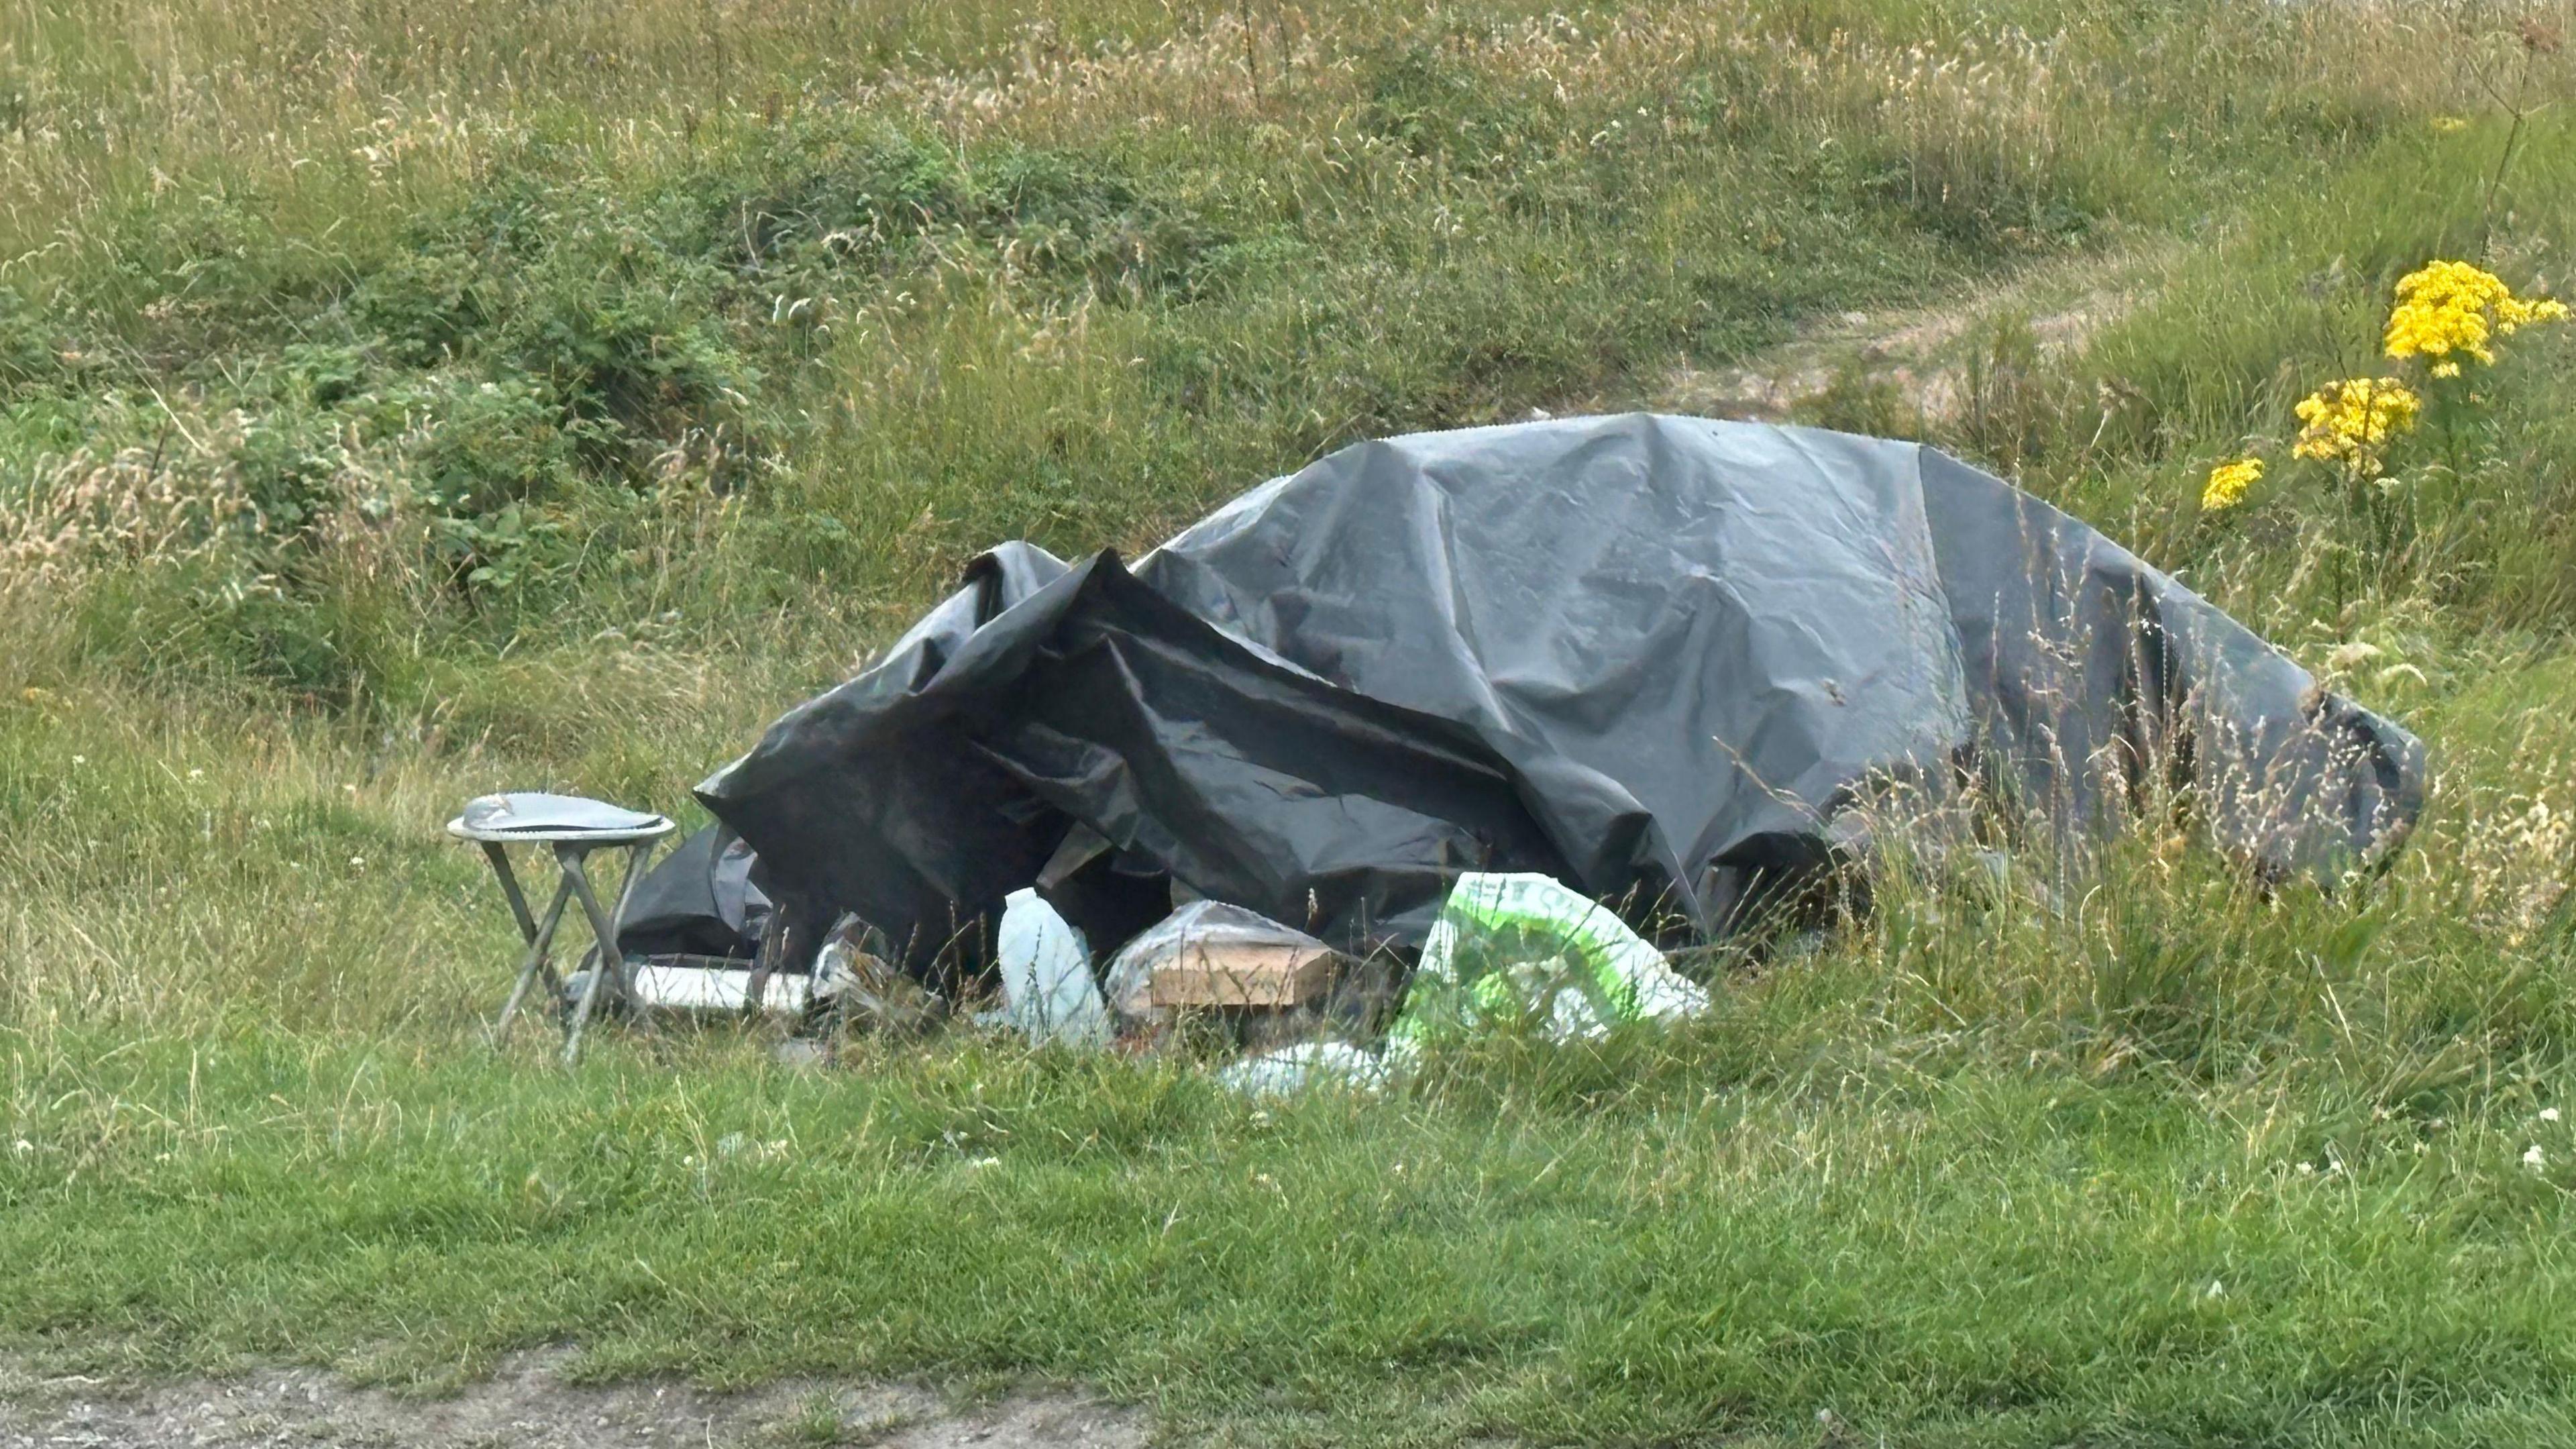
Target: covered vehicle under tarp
1665, 660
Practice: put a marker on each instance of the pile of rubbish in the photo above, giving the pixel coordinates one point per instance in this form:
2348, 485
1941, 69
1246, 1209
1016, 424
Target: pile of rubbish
1507, 951
1358, 756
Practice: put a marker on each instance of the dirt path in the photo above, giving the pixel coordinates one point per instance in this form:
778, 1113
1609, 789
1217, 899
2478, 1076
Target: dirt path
528, 1405
1923, 352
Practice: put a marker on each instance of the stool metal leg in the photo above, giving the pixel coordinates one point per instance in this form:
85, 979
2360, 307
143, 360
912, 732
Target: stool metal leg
500, 859
540, 937
571, 858
636, 857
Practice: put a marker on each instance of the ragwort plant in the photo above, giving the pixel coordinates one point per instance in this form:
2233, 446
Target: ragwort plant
2363, 431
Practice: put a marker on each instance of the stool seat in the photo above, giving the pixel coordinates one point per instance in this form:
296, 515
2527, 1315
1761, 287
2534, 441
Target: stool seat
534, 815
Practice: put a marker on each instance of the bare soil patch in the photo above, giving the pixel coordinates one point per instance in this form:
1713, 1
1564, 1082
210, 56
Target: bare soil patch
529, 1404
1924, 353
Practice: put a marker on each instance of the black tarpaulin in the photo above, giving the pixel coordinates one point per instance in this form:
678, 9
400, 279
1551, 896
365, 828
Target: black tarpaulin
1659, 658
699, 901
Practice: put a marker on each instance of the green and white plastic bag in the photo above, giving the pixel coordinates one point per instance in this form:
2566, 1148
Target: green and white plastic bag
1524, 948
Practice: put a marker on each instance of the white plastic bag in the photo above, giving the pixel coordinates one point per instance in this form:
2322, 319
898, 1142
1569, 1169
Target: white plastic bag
1314, 1064
1513, 946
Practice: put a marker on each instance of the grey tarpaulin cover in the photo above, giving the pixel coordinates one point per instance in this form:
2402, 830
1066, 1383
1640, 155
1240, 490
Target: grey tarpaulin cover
1658, 658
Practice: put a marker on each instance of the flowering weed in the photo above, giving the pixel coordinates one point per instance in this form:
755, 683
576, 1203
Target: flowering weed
2228, 483
2351, 423
2450, 308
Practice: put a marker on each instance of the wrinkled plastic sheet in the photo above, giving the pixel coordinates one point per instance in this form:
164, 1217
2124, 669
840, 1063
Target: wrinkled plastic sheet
699, 901
1668, 661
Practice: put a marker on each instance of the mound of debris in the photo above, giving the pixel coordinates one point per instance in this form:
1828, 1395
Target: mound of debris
1670, 663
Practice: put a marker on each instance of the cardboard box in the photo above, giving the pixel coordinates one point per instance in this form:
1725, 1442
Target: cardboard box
1242, 975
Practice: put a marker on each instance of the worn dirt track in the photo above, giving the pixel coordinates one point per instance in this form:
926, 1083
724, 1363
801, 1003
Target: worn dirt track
529, 1404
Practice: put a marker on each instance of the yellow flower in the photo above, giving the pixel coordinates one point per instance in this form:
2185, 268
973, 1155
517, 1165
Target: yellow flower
2350, 423
2514, 313
2228, 482
2448, 124
2448, 308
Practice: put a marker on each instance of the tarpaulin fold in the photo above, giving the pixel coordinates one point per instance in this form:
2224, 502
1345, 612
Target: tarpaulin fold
698, 900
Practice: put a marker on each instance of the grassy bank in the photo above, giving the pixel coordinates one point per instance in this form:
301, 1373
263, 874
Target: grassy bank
410, 401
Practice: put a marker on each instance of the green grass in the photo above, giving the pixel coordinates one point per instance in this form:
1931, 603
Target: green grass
401, 402
1688, 1240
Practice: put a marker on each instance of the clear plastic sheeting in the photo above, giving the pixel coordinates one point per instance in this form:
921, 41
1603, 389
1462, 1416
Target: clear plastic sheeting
1195, 932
